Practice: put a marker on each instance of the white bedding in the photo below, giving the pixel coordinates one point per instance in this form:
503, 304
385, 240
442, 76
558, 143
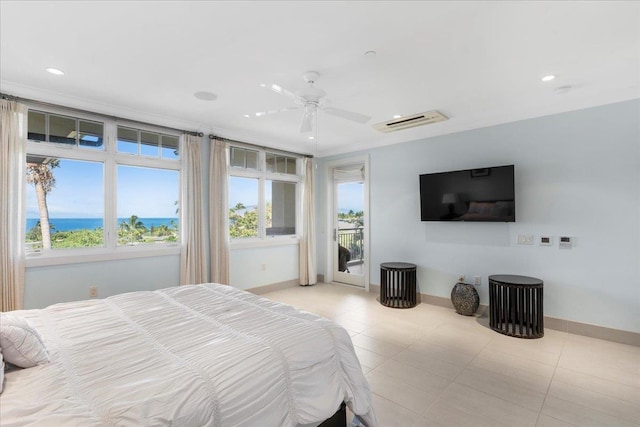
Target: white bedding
204, 355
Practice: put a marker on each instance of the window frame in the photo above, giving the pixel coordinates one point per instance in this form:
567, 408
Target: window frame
110, 158
262, 176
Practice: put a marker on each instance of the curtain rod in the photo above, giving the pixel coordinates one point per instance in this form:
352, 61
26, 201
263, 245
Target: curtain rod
78, 110
219, 138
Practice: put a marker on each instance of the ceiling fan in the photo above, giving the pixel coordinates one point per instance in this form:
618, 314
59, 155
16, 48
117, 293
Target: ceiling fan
311, 99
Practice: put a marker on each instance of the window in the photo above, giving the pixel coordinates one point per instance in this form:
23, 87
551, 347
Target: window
65, 197
133, 141
58, 129
147, 205
263, 194
280, 198
281, 164
244, 158
91, 193
243, 209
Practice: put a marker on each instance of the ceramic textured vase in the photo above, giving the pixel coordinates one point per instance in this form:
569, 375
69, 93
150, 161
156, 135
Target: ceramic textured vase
465, 298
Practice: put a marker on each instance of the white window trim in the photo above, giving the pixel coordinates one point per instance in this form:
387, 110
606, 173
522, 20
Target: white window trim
110, 159
262, 175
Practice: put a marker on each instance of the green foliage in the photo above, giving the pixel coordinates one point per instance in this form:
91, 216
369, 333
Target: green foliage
78, 238
243, 222
35, 233
173, 231
42, 174
356, 218
131, 231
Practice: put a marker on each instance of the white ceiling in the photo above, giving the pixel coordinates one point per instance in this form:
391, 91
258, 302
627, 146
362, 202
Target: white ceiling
479, 63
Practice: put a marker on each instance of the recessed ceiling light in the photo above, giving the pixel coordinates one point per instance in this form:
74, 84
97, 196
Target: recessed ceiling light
548, 78
396, 116
206, 96
246, 115
55, 71
263, 85
311, 137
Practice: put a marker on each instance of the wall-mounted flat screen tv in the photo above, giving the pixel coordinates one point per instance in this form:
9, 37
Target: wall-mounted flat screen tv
485, 195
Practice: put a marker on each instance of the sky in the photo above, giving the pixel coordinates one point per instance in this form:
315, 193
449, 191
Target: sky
350, 196
145, 192
245, 191
79, 192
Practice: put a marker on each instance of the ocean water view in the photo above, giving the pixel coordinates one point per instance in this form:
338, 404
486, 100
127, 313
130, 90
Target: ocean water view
70, 224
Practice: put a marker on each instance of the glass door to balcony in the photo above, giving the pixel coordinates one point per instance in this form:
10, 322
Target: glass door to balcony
348, 225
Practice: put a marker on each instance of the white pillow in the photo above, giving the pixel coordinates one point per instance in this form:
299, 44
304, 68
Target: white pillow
20, 342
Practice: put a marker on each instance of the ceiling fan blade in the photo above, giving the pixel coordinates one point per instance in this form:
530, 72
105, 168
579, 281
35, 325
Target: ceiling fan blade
266, 113
307, 119
349, 115
279, 89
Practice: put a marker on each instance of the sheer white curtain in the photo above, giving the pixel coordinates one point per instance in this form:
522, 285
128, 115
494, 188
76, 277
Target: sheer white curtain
308, 274
13, 135
219, 211
193, 261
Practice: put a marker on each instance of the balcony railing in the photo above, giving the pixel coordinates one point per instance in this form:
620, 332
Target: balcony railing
352, 239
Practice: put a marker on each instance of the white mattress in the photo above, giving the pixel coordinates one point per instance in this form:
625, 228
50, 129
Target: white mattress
205, 355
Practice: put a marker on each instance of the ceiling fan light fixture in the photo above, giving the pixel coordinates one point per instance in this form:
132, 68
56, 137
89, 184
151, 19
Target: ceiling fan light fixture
308, 118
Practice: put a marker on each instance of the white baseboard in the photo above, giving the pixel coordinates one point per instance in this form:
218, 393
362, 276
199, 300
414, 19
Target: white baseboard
259, 290
578, 328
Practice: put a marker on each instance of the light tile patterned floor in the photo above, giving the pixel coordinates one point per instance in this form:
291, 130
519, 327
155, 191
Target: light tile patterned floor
428, 366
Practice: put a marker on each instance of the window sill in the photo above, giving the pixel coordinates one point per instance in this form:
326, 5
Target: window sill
75, 256
261, 243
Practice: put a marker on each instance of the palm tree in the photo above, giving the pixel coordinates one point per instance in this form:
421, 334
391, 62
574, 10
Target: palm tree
41, 176
163, 230
132, 229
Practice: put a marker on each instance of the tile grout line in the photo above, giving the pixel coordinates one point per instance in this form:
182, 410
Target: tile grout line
364, 311
564, 343
454, 379
555, 368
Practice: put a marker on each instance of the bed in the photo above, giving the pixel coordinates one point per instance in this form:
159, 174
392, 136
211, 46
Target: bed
198, 355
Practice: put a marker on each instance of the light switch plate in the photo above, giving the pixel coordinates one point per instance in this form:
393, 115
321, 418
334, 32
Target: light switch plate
546, 240
565, 242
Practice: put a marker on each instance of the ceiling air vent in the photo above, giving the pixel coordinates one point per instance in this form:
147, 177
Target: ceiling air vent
411, 121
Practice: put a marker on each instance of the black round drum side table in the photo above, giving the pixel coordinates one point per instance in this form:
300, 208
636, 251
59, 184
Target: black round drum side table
516, 305
398, 284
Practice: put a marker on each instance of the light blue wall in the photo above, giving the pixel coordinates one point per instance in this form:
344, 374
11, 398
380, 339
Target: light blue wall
70, 282
577, 174
246, 266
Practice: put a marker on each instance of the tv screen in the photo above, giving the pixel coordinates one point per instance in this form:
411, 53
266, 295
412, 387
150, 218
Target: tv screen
486, 195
